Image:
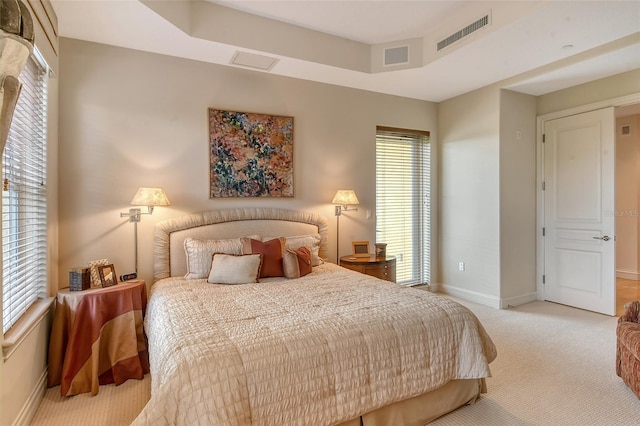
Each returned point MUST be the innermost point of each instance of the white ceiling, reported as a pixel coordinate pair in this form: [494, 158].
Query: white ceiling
[530, 46]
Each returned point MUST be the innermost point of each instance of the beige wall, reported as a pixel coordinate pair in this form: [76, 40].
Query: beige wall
[469, 225]
[517, 198]
[600, 90]
[487, 202]
[130, 119]
[627, 202]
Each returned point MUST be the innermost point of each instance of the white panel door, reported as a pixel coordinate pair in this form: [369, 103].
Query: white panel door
[579, 166]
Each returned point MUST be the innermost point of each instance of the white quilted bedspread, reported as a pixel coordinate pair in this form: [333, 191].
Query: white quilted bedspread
[317, 350]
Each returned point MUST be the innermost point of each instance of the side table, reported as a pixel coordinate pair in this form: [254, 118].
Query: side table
[97, 338]
[380, 267]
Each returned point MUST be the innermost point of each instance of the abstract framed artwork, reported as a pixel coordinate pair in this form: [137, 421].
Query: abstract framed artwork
[250, 155]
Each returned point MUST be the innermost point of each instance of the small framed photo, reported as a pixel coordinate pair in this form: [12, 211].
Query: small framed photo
[93, 267]
[360, 248]
[107, 275]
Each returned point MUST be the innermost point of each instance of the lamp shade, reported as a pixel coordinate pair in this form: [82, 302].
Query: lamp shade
[150, 197]
[345, 197]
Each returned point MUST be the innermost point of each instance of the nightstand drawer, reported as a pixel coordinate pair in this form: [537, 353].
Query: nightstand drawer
[385, 272]
[379, 267]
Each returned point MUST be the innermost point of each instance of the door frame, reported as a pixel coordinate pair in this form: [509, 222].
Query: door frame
[540, 121]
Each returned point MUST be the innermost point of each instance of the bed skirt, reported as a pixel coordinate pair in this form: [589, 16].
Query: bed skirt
[424, 408]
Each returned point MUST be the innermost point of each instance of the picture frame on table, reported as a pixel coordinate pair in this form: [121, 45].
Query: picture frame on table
[93, 267]
[107, 275]
[360, 248]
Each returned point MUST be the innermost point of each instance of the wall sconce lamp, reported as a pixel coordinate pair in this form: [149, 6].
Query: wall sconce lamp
[149, 197]
[343, 198]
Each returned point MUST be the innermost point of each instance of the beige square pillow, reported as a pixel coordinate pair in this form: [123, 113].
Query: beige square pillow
[297, 263]
[199, 254]
[235, 269]
[310, 240]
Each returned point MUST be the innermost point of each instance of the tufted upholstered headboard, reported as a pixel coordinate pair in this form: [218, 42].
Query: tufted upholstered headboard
[169, 257]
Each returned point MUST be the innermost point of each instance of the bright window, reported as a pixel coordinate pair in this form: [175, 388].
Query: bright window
[403, 201]
[24, 198]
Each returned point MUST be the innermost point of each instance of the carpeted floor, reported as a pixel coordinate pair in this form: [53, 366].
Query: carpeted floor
[555, 366]
[113, 406]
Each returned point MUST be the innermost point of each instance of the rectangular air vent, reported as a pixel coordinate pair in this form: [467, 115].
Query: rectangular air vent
[396, 55]
[459, 35]
[251, 60]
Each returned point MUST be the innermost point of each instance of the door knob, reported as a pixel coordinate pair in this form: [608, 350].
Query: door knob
[605, 238]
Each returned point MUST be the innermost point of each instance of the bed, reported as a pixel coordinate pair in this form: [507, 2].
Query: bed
[333, 347]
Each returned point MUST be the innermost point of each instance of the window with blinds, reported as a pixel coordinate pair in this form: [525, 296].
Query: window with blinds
[24, 198]
[403, 201]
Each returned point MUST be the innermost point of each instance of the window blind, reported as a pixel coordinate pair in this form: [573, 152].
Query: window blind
[24, 198]
[403, 201]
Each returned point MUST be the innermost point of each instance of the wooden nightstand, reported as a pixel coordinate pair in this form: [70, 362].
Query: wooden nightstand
[379, 267]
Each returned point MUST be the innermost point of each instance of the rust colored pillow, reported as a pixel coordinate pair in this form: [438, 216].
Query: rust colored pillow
[272, 253]
[297, 263]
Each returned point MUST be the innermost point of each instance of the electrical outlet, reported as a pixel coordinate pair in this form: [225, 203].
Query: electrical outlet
[461, 266]
[368, 214]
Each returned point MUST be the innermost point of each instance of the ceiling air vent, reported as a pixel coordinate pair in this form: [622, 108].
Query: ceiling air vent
[396, 55]
[480, 23]
[251, 60]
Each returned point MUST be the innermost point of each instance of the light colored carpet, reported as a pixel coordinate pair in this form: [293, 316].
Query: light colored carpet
[113, 406]
[555, 366]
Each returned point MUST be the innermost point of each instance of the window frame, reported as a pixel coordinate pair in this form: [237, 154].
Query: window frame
[24, 203]
[400, 143]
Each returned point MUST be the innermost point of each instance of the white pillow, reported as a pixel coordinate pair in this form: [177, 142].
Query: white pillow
[235, 269]
[199, 253]
[311, 240]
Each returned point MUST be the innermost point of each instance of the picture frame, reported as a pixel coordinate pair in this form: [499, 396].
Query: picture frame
[93, 267]
[360, 248]
[250, 154]
[107, 275]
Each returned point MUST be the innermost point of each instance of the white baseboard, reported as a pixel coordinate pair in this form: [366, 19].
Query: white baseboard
[483, 299]
[30, 407]
[628, 275]
[512, 302]
[471, 296]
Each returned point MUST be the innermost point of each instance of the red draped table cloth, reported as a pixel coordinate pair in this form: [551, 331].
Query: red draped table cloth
[98, 338]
